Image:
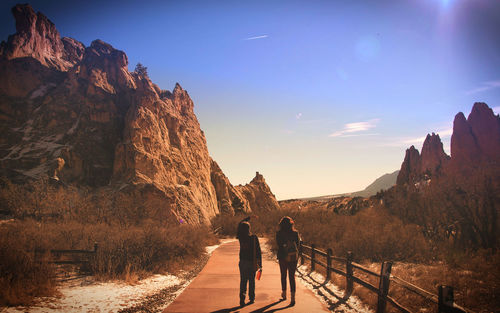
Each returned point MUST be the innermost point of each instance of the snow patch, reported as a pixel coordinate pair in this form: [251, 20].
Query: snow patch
[42, 90]
[310, 280]
[100, 297]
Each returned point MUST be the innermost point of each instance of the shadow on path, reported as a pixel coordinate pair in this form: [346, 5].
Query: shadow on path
[264, 309]
[317, 285]
[228, 310]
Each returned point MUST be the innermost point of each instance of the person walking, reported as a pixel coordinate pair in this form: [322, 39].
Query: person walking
[250, 260]
[288, 241]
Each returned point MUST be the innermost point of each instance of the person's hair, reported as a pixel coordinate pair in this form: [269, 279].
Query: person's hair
[286, 224]
[243, 230]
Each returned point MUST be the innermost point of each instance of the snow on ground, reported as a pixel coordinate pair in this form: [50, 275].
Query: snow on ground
[310, 280]
[86, 295]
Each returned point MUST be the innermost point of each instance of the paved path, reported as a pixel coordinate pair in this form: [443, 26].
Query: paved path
[216, 288]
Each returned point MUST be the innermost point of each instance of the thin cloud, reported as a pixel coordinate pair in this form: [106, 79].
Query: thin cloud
[414, 141]
[484, 87]
[496, 110]
[350, 128]
[298, 116]
[256, 37]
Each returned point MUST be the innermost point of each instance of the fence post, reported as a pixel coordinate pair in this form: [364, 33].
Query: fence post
[328, 264]
[383, 287]
[350, 274]
[313, 265]
[445, 299]
[301, 251]
[96, 245]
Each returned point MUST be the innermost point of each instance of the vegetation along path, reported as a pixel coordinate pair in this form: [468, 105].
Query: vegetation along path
[216, 288]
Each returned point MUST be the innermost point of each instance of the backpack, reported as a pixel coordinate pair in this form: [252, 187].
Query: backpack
[292, 252]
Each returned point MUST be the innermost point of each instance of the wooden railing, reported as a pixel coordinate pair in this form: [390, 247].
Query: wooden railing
[444, 299]
[81, 258]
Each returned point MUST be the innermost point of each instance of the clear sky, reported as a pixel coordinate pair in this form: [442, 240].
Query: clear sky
[321, 97]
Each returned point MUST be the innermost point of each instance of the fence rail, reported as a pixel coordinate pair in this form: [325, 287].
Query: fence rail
[444, 299]
[81, 258]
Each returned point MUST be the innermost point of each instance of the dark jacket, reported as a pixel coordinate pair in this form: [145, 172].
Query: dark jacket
[284, 237]
[250, 248]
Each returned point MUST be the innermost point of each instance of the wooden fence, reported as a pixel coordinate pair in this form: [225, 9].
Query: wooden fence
[444, 299]
[80, 258]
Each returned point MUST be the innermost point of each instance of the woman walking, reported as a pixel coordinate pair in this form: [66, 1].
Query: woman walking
[288, 251]
[250, 260]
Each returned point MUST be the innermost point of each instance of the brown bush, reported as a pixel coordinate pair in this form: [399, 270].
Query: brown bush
[371, 234]
[22, 278]
[134, 239]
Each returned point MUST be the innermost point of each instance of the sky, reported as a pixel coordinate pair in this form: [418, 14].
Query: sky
[321, 97]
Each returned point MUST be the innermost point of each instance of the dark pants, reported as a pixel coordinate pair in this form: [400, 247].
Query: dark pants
[289, 267]
[247, 275]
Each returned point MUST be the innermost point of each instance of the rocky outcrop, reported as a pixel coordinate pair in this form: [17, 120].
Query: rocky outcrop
[37, 37]
[229, 199]
[475, 143]
[418, 167]
[77, 115]
[258, 194]
[433, 157]
[410, 169]
[477, 139]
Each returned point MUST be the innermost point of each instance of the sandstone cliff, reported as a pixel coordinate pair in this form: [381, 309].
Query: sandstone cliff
[77, 114]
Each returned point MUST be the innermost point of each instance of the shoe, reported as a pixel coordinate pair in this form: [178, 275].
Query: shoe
[283, 295]
[242, 301]
[251, 301]
[292, 300]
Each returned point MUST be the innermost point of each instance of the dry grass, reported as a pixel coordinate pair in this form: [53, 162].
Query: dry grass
[127, 253]
[133, 243]
[371, 234]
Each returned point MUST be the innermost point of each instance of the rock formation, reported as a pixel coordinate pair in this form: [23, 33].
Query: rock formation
[258, 194]
[229, 199]
[477, 139]
[78, 115]
[475, 143]
[410, 168]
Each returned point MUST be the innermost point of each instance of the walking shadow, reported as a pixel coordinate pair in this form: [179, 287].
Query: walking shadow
[264, 309]
[341, 300]
[228, 310]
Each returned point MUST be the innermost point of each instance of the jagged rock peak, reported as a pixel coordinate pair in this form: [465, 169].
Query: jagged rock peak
[37, 37]
[178, 89]
[27, 21]
[182, 100]
[476, 138]
[258, 194]
[410, 168]
[433, 156]
[480, 109]
[259, 178]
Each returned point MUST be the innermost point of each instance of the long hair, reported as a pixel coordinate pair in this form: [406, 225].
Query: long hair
[243, 230]
[286, 224]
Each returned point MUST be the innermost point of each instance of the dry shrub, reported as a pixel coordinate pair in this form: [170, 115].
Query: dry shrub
[125, 252]
[22, 278]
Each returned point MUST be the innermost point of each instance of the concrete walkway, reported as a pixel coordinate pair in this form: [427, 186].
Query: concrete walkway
[216, 288]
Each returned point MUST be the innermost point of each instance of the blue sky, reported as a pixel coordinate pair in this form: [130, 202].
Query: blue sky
[321, 97]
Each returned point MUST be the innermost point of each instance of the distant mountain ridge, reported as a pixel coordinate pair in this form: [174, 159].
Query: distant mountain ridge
[384, 182]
